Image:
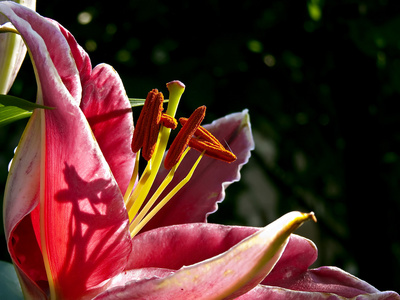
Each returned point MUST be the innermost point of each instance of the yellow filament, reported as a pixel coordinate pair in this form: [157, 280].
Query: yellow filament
[133, 179]
[157, 193]
[146, 180]
[136, 229]
[132, 201]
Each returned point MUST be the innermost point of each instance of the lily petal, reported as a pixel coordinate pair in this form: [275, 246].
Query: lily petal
[299, 255]
[326, 280]
[93, 225]
[201, 195]
[21, 196]
[108, 111]
[80, 57]
[183, 246]
[137, 275]
[291, 278]
[224, 276]
[276, 293]
[28, 23]
[332, 280]
[74, 176]
[107, 108]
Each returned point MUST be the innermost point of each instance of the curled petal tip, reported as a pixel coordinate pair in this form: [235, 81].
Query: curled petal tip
[308, 216]
[313, 217]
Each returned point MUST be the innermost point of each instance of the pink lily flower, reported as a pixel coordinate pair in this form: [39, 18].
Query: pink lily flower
[73, 224]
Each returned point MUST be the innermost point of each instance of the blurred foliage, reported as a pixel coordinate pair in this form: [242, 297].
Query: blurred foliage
[321, 81]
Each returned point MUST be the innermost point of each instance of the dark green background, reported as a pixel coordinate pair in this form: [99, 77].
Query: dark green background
[321, 80]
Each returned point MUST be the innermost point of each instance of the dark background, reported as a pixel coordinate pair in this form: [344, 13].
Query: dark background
[321, 82]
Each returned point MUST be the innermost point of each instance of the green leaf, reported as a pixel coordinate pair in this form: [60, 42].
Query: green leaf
[9, 114]
[140, 102]
[9, 285]
[7, 100]
[14, 108]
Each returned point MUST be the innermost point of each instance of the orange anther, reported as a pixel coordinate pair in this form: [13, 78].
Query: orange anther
[205, 141]
[168, 121]
[216, 151]
[202, 133]
[148, 124]
[184, 135]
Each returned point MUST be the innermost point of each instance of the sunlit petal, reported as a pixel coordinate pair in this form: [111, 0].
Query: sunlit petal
[108, 111]
[183, 246]
[75, 178]
[224, 276]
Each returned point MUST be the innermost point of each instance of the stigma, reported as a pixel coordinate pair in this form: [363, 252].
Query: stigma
[151, 137]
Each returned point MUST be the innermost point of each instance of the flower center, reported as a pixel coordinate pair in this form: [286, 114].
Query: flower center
[151, 135]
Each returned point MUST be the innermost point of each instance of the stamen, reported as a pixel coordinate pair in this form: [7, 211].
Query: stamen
[152, 133]
[148, 125]
[182, 139]
[205, 141]
[212, 150]
[139, 194]
[201, 132]
[150, 139]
